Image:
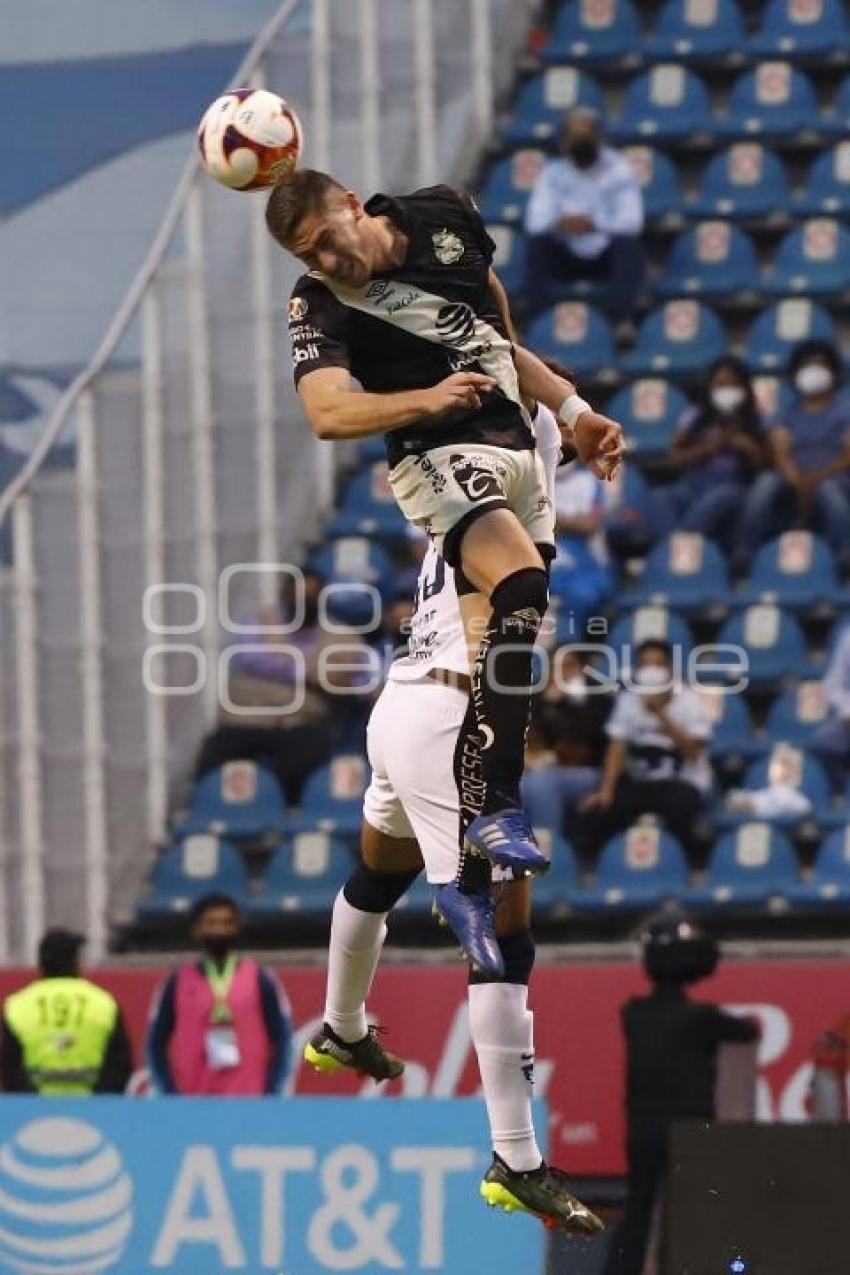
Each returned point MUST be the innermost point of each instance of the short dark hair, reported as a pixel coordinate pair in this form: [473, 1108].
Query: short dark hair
[300, 194]
[209, 901]
[655, 644]
[58, 953]
[808, 350]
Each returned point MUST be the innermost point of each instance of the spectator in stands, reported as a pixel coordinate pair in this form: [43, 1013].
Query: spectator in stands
[566, 740]
[584, 220]
[290, 709]
[718, 448]
[656, 761]
[810, 442]
[580, 512]
[63, 1036]
[221, 1025]
[830, 743]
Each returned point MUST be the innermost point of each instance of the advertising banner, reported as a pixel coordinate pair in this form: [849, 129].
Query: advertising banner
[207, 1185]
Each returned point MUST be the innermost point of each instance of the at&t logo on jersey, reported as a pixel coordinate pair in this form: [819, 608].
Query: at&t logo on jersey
[455, 322]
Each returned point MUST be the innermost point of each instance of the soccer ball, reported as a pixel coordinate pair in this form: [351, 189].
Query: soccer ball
[249, 139]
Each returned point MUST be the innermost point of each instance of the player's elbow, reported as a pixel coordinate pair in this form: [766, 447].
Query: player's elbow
[324, 421]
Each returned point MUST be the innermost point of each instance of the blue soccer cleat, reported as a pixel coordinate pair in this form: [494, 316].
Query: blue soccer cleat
[472, 920]
[507, 839]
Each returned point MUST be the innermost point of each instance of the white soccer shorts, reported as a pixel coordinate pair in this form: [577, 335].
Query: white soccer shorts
[411, 739]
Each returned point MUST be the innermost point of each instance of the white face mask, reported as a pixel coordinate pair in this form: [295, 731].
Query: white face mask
[813, 378]
[726, 398]
[653, 679]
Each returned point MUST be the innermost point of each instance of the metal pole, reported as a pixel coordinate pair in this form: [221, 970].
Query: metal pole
[370, 95]
[91, 669]
[153, 489]
[29, 743]
[482, 66]
[426, 111]
[321, 77]
[203, 443]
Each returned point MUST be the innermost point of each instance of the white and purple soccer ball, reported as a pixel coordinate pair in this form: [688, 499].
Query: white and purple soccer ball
[249, 139]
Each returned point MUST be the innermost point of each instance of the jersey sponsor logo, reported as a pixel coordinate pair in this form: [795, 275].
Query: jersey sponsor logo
[305, 353]
[303, 332]
[476, 482]
[465, 358]
[448, 248]
[456, 322]
[437, 480]
[378, 289]
[297, 309]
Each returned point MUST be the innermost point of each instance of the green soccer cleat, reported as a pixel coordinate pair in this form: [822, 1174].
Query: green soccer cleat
[327, 1053]
[542, 1192]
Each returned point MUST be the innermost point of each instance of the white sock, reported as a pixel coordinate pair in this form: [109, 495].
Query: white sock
[502, 1032]
[355, 947]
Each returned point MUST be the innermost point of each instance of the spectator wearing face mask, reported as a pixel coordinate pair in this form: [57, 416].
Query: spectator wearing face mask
[718, 448]
[810, 445]
[657, 758]
[584, 221]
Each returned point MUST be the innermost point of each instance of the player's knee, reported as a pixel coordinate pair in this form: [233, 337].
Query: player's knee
[523, 591]
[371, 891]
[518, 953]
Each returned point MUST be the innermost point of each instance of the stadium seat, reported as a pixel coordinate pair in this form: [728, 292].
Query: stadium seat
[828, 884]
[189, 869]
[595, 32]
[733, 736]
[686, 572]
[577, 334]
[744, 182]
[630, 513]
[554, 893]
[813, 259]
[649, 622]
[774, 99]
[773, 335]
[368, 507]
[355, 558]
[751, 866]
[666, 103]
[648, 411]
[839, 116]
[802, 28]
[693, 30]
[711, 259]
[508, 257]
[772, 643]
[827, 189]
[370, 450]
[333, 796]
[240, 800]
[303, 875]
[786, 766]
[543, 102]
[637, 869]
[797, 713]
[680, 338]
[796, 570]
[508, 186]
[659, 183]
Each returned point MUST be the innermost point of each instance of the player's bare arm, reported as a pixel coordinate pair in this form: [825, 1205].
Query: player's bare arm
[335, 410]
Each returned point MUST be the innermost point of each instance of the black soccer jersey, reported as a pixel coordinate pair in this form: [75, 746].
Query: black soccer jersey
[413, 325]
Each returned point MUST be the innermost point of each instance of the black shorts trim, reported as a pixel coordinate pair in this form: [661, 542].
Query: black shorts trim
[546, 550]
[453, 537]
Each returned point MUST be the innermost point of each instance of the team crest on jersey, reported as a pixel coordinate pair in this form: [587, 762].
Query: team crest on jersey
[447, 247]
[297, 309]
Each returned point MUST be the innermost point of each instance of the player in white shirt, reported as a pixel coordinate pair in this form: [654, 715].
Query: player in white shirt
[423, 751]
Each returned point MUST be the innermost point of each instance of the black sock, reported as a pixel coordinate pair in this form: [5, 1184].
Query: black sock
[501, 683]
[473, 874]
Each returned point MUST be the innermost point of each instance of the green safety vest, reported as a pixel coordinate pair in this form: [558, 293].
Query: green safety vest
[64, 1026]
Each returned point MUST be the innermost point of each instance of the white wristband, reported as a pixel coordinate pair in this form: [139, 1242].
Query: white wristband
[572, 408]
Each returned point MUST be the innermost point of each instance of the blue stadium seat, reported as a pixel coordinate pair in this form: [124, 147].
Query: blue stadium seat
[712, 259]
[189, 869]
[333, 796]
[743, 182]
[813, 259]
[780, 327]
[659, 183]
[543, 102]
[774, 99]
[752, 866]
[508, 257]
[686, 572]
[368, 507]
[554, 893]
[370, 450]
[828, 884]
[240, 800]
[636, 870]
[304, 875]
[788, 766]
[733, 736]
[577, 334]
[666, 103]
[630, 513]
[797, 570]
[802, 28]
[711, 30]
[508, 186]
[840, 115]
[355, 558]
[797, 713]
[827, 189]
[595, 32]
[648, 411]
[649, 622]
[773, 643]
[679, 338]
